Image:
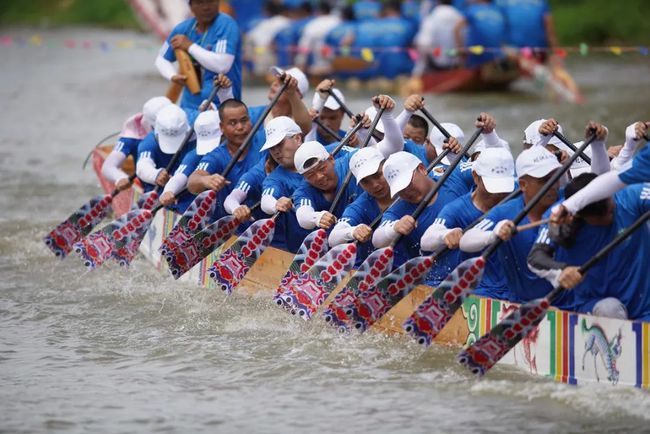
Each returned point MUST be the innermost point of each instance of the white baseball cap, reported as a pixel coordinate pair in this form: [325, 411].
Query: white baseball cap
[308, 151]
[437, 139]
[208, 132]
[277, 129]
[372, 113]
[365, 162]
[398, 170]
[580, 166]
[330, 102]
[303, 82]
[536, 162]
[496, 167]
[151, 108]
[171, 128]
[533, 137]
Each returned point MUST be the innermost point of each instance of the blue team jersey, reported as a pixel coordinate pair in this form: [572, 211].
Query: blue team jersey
[286, 41]
[366, 10]
[306, 195]
[397, 34]
[460, 213]
[323, 141]
[623, 273]
[248, 12]
[127, 146]
[216, 161]
[363, 210]
[223, 37]
[523, 284]
[485, 27]
[409, 246]
[639, 169]
[525, 22]
[148, 148]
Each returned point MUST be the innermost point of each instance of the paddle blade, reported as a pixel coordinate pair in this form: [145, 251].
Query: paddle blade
[61, 239]
[491, 347]
[374, 302]
[193, 250]
[374, 268]
[130, 238]
[312, 248]
[148, 200]
[233, 264]
[434, 313]
[195, 219]
[311, 289]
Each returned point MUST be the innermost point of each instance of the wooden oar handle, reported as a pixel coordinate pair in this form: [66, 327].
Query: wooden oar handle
[115, 192]
[532, 225]
[186, 68]
[571, 146]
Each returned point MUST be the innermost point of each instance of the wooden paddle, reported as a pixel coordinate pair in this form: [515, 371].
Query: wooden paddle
[80, 223]
[375, 301]
[239, 258]
[434, 313]
[186, 68]
[491, 347]
[312, 288]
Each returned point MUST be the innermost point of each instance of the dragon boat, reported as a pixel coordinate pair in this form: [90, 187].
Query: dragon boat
[568, 347]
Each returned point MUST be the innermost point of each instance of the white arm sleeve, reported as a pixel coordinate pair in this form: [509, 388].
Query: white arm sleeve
[146, 170]
[475, 240]
[403, 119]
[492, 140]
[433, 237]
[384, 235]
[224, 94]
[234, 200]
[307, 217]
[111, 169]
[176, 183]
[600, 188]
[599, 158]
[342, 233]
[268, 203]
[311, 135]
[629, 147]
[165, 67]
[219, 63]
[363, 133]
[318, 102]
[393, 140]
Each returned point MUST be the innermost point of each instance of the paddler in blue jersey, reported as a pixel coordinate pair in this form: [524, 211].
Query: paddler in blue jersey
[534, 167]
[329, 111]
[134, 130]
[483, 26]
[157, 149]
[396, 36]
[529, 23]
[213, 41]
[619, 285]
[493, 172]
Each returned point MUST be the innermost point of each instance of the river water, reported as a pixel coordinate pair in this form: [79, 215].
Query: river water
[133, 351]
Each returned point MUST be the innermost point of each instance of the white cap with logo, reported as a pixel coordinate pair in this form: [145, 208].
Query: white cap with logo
[365, 162]
[533, 137]
[171, 128]
[208, 132]
[308, 151]
[277, 129]
[151, 108]
[536, 162]
[303, 82]
[330, 102]
[398, 170]
[580, 166]
[437, 139]
[496, 167]
[372, 113]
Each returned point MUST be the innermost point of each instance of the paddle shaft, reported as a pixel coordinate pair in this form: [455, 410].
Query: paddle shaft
[437, 124]
[115, 192]
[348, 136]
[345, 107]
[249, 137]
[348, 177]
[604, 251]
[571, 146]
[545, 188]
[327, 129]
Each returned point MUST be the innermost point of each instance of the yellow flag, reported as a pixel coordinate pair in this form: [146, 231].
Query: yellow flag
[476, 49]
[616, 50]
[367, 55]
[36, 40]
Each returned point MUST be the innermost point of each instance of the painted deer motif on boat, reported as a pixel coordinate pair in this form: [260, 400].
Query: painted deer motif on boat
[596, 343]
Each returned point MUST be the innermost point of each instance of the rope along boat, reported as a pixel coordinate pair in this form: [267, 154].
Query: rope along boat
[568, 347]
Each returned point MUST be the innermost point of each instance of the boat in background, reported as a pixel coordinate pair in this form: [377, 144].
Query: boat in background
[569, 347]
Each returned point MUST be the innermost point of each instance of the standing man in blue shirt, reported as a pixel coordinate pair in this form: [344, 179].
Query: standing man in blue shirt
[486, 27]
[213, 41]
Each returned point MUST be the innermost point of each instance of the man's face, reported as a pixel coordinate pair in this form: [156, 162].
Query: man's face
[284, 152]
[236, 124]
[205, 11]
[418, 188]
[322, 175]
[530, 186]
[376, 185]
[417, 135]
[331, 118]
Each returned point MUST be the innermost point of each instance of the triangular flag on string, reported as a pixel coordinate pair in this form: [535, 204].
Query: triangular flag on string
[476, 49]
[367, 54]
[616, 50]
[584, 49]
